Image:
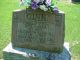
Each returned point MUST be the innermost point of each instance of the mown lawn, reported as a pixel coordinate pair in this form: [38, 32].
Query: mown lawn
[72, 24]
[6, 8]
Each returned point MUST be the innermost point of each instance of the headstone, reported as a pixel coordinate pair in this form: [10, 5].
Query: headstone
[37, 35]
[38, 30]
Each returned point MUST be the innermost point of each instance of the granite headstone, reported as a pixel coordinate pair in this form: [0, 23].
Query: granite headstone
[38, 30]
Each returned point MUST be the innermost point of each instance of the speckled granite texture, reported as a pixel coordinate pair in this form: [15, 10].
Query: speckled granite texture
[10, 53]
[38, 30]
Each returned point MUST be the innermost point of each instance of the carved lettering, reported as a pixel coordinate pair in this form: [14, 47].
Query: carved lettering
[37, 29]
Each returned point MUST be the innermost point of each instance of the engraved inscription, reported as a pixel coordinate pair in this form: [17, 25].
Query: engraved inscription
[37, 28]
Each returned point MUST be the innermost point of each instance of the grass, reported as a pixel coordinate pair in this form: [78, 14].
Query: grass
[72, 27]
[72, 24]
[6, 8]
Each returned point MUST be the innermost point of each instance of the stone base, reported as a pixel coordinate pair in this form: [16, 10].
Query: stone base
[10, 53]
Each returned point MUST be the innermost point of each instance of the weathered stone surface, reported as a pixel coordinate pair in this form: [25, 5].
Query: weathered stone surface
[10, 53]
[38, 30]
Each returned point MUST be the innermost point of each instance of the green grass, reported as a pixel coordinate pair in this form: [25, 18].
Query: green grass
[72, 24]
[6, 8]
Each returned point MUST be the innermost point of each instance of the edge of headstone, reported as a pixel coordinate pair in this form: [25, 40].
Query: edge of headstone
[65, 54]
[18, 10]
[9, 47]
